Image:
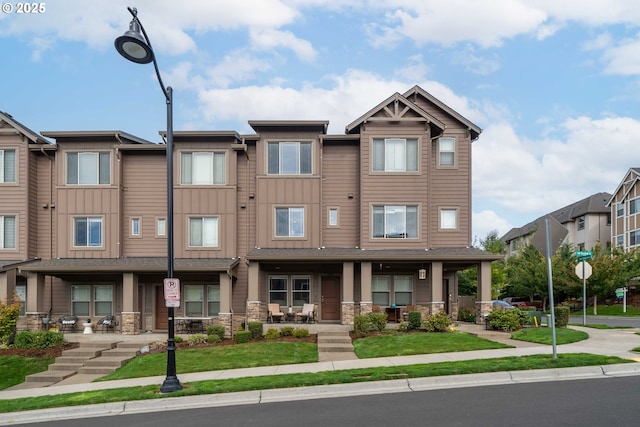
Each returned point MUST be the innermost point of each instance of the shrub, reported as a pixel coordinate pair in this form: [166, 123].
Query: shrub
[378, 321]
[256, 329]
[562, 316]
[301, 333]
[360, 324]
[8, 319]
[466, 315]
[364, 323]
[286, 331]
[243, 337]
[272, 334]
[438, 322]
[415, 320]
[508, 320]
[39, 339]
[213, 339]
[196, 339]
[178, 339]
[217, 330]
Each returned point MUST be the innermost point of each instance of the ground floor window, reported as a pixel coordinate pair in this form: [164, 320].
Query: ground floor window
[21, 292]
[392, 289]
[91, 300]
[197, 297]
[290, 290]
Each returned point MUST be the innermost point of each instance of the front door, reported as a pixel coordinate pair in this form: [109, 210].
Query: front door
[330, 298]
[162, 312]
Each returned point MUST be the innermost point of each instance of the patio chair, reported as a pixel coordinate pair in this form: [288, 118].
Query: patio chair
[107, 323]
[274, 313]
[67, 322]
[307, 313]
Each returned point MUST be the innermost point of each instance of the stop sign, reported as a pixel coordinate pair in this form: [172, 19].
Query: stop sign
[587, 270]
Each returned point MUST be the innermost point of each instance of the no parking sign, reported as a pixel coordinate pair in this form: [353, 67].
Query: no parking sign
[172, 292]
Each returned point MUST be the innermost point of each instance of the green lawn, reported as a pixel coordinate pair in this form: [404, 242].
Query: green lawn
[15, 368]
[403, 344]
[543, 335]
[249, 355]
[610, 310]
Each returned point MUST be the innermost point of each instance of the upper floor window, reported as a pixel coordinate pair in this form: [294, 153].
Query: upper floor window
[619, 210]
[446, 151]
[87, 231]
[395, 155]
[7, 166]
[581, 221]
[620, 240]
[634, 238]
[290, 222]
[161, 227]
[88, 168]
[7, 232]
[332, 217]
[136, 227]
[203, 168]
[448, 219]
[289, 158]
[395, 222]
[634, 206]
[203, 232]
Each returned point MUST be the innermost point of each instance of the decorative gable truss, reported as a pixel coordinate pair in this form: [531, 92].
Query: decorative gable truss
[397, 109]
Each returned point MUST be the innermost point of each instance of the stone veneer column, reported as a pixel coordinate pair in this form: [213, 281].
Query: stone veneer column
[226, 320]
[483, 302]
[130, 323]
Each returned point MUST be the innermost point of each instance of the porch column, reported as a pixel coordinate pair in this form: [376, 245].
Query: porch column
[130, 318]
[483, 302]
[437, 300]
[34, 307]
[253, 294]
[7, 285]
[366, 297]
[224, 315]
[347, 294]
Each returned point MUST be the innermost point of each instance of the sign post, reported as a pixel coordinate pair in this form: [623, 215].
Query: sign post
[622, 292]
[584, 271]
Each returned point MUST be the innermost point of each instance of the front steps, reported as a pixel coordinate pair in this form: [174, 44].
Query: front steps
[335, 345]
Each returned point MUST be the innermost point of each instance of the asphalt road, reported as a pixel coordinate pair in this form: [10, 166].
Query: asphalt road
[607, 320]
[599, 402]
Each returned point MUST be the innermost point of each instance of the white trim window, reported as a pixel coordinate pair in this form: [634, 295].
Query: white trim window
[103, 300]
[380, 290]
[89, 168]
[634, 206]
[634, 238]
[619, 241]
[7, 166]
[87, 232]
[447, 152]
[289, 158]
[289, 222]
[203, 232]
[21, 292]
[193, 300]
[8, 232]
[136, 227]
[448, 219]
[290, 290]
[203, 168]
[619, 210]
[332, 217]
[395, 221]
[161, 227]
[395, 155]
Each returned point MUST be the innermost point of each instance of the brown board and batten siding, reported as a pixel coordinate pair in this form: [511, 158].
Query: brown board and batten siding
[14, 201]
[341, 190]
[144, 182]
[44, 210]
[385, 188]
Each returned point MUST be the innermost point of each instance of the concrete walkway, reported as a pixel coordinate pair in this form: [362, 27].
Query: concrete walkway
[611, 342]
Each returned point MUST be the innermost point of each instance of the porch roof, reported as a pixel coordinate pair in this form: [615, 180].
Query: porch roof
[142, 264]
[453, 254]
[10, 264]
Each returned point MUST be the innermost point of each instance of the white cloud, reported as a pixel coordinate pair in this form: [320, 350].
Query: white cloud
[487, 221]
[269, 39]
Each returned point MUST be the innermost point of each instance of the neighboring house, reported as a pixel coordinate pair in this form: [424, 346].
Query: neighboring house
[588, 222]
[625, 209]
[375, 217]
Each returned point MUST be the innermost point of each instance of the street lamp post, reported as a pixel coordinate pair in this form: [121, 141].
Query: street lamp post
[136, 47]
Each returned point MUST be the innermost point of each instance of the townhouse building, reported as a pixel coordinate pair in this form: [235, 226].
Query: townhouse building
[588, 222]
[625, 211]
[379, 216]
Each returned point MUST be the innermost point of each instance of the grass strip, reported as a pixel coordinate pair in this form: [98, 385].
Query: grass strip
[15, 368]
[514, 363]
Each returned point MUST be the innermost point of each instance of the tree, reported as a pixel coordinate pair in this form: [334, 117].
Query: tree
[526, 273]
[468, 279]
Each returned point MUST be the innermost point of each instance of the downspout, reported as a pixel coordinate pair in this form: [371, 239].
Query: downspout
[120, 187]
[51, 206]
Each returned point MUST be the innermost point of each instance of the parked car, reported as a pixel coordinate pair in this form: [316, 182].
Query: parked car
[522, 302]
[498, 304]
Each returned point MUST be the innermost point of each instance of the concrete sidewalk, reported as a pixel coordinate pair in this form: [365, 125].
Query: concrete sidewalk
[611, 342]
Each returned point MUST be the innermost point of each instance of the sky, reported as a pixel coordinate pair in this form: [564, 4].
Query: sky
[555, 85]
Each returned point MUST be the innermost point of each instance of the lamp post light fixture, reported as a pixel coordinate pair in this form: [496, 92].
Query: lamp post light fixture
[135, 46]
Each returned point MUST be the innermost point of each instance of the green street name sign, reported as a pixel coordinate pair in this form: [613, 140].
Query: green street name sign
[583, 255]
